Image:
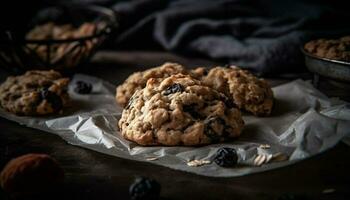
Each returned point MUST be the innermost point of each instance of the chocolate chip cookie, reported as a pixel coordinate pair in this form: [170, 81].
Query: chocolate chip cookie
[34, 93]
[243, 88]
[138, 80]
[179, 110]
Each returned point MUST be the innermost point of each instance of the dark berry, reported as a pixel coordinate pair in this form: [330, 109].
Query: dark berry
[83, 87]
[173, 89]
[228, 101]
[52, 98]
[190, 109]
[205, 72]
[209, 128]
[226, 157]
[145, 189]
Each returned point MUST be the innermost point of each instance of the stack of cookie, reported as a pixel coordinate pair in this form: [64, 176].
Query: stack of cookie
[170, 105]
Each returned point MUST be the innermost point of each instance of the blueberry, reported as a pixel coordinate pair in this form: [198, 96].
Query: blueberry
[83, 87]
[145, 189]
[52, 98]
[226, 157]
[173, 89]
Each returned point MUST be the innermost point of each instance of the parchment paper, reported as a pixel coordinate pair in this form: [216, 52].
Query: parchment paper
[304, 122]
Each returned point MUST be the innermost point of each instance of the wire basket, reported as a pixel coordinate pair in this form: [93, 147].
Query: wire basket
[19, 53]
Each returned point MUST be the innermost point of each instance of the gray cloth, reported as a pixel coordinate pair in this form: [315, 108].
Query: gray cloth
[264, 36]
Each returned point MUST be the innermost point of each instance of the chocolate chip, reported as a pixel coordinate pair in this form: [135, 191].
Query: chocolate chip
[52, 98]
[208, 128]
[173, 89]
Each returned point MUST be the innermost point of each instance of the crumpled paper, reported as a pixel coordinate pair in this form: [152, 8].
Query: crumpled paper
[304, 123]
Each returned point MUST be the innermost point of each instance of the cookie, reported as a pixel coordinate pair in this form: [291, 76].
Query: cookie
[245, 90]
[138, 80]
[336, 49]
[34, 93]
[179, 110]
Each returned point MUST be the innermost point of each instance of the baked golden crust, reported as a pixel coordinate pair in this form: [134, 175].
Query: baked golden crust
[246, 90]
[179, 110]
[138, 80]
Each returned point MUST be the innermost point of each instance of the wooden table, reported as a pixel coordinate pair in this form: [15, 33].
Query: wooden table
[91, 175]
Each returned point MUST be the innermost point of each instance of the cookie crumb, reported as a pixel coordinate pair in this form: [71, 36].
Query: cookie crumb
[328, 191]
[279, 157]
[151, 158]
[259, 159]
[198, 163]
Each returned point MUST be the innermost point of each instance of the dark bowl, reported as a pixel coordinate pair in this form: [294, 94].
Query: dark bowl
[18, 53]
[334, 69]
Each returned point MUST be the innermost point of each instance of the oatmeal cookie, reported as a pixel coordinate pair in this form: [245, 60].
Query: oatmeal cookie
[336, 49]
[179, 110]
[34, 93]
[245, 90]
[138, 80]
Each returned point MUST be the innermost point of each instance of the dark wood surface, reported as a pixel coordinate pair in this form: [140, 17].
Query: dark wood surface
[92, 175]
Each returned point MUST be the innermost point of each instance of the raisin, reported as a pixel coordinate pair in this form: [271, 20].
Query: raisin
[145, 189]
[226, 157]
[173, 89]
[206, 72]
[291, 197]
[191, 110]
[228, 101]
[83, 87]
[52, 98]
[208, 128]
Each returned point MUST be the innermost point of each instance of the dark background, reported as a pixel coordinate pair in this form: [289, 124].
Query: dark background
[263, 36]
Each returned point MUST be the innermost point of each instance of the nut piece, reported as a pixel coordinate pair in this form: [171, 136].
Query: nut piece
[31, 175]
[198, 163]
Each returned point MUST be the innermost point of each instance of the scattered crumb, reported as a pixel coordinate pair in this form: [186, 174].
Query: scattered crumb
[260, 159]
[328, 191]
[264, 146]
[197, 163]
[278, 157]
[151, 158]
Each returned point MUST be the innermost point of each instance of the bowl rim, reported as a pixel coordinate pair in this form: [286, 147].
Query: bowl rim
[323, 58]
